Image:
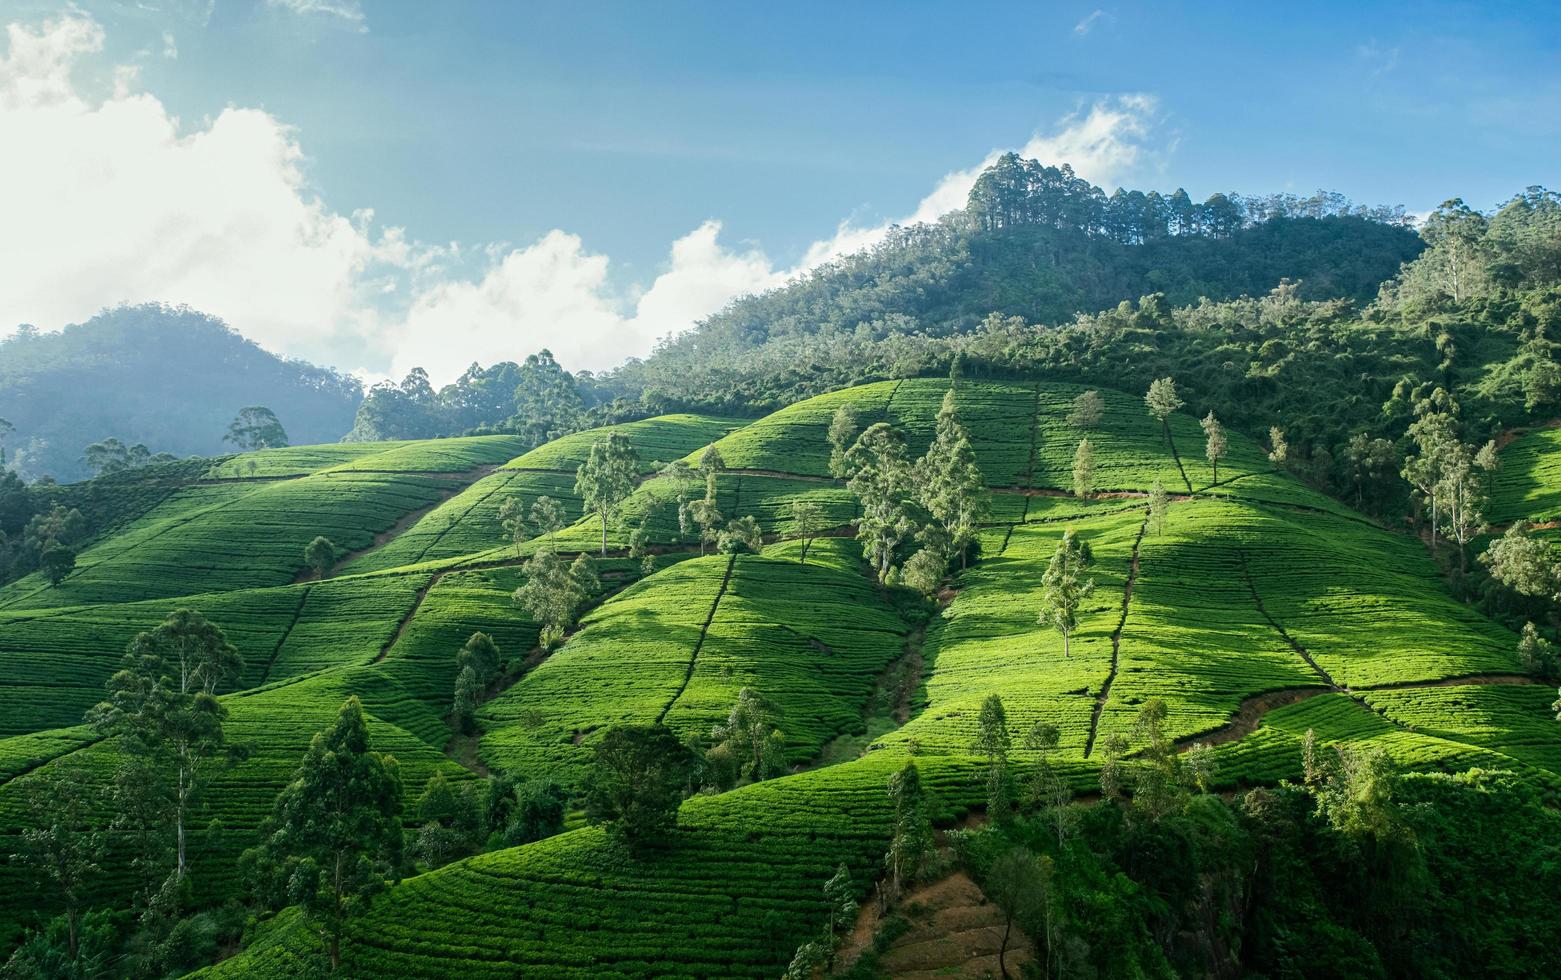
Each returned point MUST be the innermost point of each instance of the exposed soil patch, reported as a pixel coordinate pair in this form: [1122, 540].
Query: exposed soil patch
[955, 931]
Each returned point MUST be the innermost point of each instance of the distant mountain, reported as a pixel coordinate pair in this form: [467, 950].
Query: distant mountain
[166, 377]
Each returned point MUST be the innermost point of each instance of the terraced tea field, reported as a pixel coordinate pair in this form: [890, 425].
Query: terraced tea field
[1260, 610]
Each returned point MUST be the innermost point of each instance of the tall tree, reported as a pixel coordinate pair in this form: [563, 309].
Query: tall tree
[993, 741]
[334, 835]
[949, 484]
[547, 400]
[1018, 883]
[911, 841]
[1064, 587]
[163, 704]
[1527, 565]
[1435, 437]
[6, 429]
[842, 434]
[607, 477]
[636, 783]
[512, 518]
[1163, 401]
[1216, 445]
[882, 482]
[256, 427]
[1083, 469]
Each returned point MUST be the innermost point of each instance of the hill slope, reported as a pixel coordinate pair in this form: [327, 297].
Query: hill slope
[171, 379]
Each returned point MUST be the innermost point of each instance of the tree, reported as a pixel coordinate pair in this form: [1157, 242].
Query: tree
[681, 477]
[924, 572]
[749, 744]
[547, 400]
[463, 705]
[162, 703]
[512, 518]
[1064, 588]
[609, 474]
[1369, 461]
[56, 563]
[1215, 445]
[742, 536]
[1280, 450]
[1163, 400]
[950, 487]
[449, 818]
[807, 518]
[636, 783]
[6, 429]
[334, 835]
[551, 595]
[911, 841]
[537, 812]
[62, 845]
[993, 741]
[1047, 787]
[320, 555]
[840, 893]
[256, 427]
[1159, 506]
[711, 465]
[1088, 409]
[842, 434]
[1434, 435]
[1083, 469]
[1463, 487]
[1526, 565]
[1018, 883]
[1535, 653]
[547, 517]
[481, 654]
[707, 516]
[881, 481]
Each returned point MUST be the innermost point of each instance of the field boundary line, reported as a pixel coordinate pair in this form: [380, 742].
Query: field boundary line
[1246, 576]
[1171, 441]
[704, 631]
[282, 640]
[1116, 641]
[406, 620]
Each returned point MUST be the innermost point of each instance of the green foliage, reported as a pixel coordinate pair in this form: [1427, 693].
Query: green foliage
[256, 427]
[607, 477]
[335, 834]
[1064, 587]
[636, 783]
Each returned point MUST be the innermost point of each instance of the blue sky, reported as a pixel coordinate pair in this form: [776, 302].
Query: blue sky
[506, 148]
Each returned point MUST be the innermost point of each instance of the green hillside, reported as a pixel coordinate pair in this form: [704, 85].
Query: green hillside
[1257, 610]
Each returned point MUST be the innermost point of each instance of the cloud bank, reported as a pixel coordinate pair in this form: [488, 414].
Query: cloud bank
[111, 199]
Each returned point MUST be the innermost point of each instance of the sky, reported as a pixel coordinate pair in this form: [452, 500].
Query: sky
[378, 185]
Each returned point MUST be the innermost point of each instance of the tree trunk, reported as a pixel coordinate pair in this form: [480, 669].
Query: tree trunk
[1065, 654]
[604, 534]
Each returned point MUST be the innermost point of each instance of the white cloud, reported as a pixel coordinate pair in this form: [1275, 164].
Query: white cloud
[350, 11]
[170, 46]
[120, 202]
[1096, 18]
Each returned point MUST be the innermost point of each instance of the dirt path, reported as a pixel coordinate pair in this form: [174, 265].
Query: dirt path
[1116, 643]
[1249, 716]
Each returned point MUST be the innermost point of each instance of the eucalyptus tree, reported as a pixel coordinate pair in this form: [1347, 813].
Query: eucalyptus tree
[256, 427]
[334, 835]
[1087, 411]
[1163, 401]
[1083, 469]
[949, 484]
[1064, 587]
[1159, 506]
[162, 704]
[842, 433]
[807, 518]
[1216, 445]
[881, 478]
[608, 476]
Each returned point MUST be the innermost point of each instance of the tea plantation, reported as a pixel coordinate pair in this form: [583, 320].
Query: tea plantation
[1255, 609]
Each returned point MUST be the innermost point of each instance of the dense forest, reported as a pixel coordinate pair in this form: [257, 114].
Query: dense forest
[166, 378]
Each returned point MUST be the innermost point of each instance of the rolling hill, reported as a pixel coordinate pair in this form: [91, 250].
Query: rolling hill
[1260, 611]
